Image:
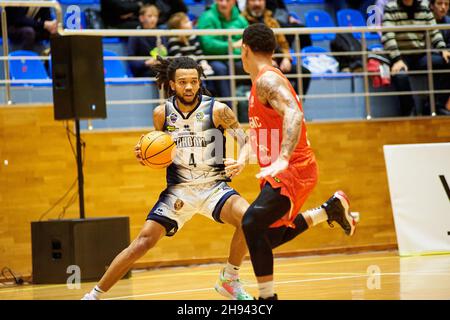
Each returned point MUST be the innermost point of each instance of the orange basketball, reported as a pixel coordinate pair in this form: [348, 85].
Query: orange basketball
[157, 149]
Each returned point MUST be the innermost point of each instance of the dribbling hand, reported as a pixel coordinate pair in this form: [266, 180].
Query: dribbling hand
[274, 169]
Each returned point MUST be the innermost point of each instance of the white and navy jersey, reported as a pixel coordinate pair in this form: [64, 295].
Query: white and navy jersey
[200, 145]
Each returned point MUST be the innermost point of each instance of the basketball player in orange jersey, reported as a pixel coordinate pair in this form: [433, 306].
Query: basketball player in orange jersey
[288, 165]
[196, 179]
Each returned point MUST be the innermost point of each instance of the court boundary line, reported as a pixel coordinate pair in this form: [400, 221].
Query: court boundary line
[254, 285]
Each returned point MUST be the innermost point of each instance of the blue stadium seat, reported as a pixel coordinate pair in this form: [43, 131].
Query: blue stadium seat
[319, 19]
[25, 69]
[313, 49]
[193, 2]
[114, 40]
[192, 17]
[115, 69]
[354, 18]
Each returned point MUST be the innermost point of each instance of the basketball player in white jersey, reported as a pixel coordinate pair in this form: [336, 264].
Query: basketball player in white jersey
[196, 179]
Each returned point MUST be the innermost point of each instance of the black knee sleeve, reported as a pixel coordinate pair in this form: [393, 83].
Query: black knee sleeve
[264, 211]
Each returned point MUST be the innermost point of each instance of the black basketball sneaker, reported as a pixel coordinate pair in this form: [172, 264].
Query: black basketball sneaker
[337, 208]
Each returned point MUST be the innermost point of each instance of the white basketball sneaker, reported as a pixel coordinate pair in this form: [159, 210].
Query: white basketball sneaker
[231, 288]
[89, 296]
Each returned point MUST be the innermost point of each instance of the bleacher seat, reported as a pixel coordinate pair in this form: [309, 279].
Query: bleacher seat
[27, 69]
[354, 18]
[114, 40]
[116, 71]
[313, 49]
[319, 19]
[193, 3]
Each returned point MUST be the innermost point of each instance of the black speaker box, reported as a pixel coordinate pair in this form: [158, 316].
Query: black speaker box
[90, 244]
[78, 77]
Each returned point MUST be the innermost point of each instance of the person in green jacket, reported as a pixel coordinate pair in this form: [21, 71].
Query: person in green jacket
[223, 14]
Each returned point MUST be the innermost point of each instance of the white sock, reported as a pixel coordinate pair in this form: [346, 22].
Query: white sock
[231, 271]
[317, 216]
[97, 292]
[266, 289]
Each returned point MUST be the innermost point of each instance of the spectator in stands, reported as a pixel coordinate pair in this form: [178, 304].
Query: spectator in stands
[27, 27]
[223, 14]
[145, 46]
[286, 20]
[184, 45]
[121, 14]
[256, 12]
[167, 8]
[414, 12]
[440, 11]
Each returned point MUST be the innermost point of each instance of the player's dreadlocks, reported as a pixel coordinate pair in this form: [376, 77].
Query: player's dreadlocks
[165, 71]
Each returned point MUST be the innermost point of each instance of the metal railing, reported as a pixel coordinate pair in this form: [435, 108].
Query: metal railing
[297, 32]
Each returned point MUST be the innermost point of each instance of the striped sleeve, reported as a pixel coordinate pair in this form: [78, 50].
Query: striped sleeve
[196, 44]
[173, 47]
[437, 40]
[388, 38]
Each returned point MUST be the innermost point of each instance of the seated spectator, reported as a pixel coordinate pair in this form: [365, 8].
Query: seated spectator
[440, 11]
[183, 45]
[145, 46]
[223, 14]
[411, 12]
[28, 26]
[281, 13]
[121, 14]
[256, 12]
[167, 8]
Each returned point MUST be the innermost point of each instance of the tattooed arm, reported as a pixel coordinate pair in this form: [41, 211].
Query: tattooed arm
[272, 89]
[225, 118]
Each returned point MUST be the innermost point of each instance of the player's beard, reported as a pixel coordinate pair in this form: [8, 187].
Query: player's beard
[189, 103]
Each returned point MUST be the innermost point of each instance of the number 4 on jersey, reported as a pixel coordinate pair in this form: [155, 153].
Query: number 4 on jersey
[192, 161]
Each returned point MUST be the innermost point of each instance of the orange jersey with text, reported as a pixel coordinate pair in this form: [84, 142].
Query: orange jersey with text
[266, 135]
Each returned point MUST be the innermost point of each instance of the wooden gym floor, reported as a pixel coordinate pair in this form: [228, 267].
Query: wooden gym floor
[346, 276]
